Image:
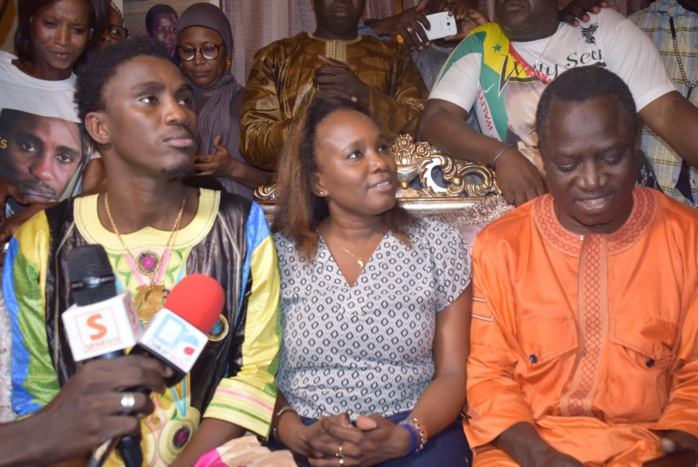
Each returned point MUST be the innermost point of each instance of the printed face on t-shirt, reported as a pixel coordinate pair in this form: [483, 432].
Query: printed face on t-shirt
[39, 154]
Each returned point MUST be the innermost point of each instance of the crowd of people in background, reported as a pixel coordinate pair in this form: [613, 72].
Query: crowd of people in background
[354, 332]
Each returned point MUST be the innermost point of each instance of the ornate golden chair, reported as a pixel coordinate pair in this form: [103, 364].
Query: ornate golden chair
[433, 183]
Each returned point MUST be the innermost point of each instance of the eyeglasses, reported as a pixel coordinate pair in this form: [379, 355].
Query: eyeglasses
[208, 51]
[116, 32]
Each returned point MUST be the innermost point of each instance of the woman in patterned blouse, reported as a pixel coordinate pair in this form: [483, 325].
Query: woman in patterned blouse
[375, 304]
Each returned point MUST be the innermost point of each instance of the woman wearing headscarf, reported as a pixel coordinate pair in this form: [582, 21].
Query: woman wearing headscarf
[116, 30]
[205, 49]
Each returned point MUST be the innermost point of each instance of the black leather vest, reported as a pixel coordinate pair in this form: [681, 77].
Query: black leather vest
[220, 255]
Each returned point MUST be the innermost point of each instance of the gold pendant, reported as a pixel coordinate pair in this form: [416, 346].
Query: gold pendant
[149, 299]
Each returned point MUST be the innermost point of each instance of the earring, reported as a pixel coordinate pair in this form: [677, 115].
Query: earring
[228, 63]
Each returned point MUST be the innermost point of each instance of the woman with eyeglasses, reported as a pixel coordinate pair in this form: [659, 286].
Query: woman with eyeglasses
[205, 49]
[115, 30]
[36, 85]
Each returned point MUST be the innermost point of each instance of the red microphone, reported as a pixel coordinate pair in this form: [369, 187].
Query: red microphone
[176, 336]
[178, 333]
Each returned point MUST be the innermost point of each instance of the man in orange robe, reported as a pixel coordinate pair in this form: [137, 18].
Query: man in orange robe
[584, 342]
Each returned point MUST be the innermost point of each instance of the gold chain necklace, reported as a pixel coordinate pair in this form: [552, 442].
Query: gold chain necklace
[358, 259]
[149, 298]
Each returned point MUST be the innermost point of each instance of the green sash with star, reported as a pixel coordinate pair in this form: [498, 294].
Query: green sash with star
[498, 67]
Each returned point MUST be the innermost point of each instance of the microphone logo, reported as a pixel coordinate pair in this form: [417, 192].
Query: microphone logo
[98, 331]
[107, 326]
[174, 339]
[94, 322]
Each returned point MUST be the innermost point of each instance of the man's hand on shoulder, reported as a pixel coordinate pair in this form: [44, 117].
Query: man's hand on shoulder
[9, 190]
[12, 223]
[518, 178]
[578, 10]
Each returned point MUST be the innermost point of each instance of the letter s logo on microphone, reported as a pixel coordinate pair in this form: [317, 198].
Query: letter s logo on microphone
[95, 323]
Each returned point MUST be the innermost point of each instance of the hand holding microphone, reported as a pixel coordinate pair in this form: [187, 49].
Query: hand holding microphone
[103, 323]
[87, 411]
[100, 325]
[90, 407]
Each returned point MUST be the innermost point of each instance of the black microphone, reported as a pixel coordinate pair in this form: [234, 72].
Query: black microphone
[100, 323]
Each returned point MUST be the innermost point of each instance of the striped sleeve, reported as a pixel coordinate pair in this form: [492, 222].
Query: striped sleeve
[247, 399]
[34, 380]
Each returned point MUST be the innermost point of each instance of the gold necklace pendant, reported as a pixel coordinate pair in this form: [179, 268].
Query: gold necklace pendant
[149, 297]
[358, 259]
[149, 300]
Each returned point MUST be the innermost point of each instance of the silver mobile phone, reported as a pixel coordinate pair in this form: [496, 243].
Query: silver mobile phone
[441, 25]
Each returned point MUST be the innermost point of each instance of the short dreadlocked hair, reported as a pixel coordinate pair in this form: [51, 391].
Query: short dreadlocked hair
[101, 67]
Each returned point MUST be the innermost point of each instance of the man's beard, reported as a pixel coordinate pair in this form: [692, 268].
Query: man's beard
[180, 172]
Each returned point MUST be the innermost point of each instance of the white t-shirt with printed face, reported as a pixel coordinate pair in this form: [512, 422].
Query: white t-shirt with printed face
[42, 147]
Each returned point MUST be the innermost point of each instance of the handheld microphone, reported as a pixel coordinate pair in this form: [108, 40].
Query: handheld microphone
[100, 323]
[176, 335]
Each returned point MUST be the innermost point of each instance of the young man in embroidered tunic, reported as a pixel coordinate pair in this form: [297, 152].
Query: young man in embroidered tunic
[333, 61]
[585, 308]
[139, 111]
[501, 70]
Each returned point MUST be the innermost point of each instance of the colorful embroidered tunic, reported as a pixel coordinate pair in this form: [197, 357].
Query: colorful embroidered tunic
[590, 338]
[228, 239]
[281, 86]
